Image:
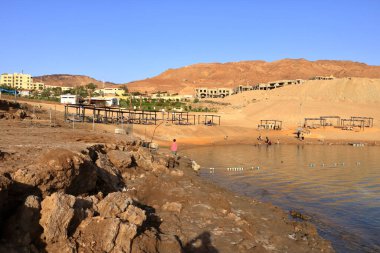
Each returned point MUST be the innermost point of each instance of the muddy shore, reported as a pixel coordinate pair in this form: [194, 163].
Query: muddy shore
[65, 190]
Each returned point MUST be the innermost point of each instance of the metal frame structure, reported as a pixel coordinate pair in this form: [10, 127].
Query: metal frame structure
[277, 124]
[210, 121]
[368, 121]
[322, 122]
[337, 118]
[353, 123]
[116, 115]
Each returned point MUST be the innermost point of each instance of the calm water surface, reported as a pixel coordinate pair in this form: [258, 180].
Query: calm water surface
[338, 186]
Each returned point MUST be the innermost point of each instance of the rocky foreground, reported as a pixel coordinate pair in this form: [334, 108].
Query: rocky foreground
[60, 191]
[121, 198]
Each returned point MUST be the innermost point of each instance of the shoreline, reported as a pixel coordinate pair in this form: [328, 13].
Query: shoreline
[182, 210]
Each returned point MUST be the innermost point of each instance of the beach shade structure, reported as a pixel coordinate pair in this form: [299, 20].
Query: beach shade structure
[331, 120]
[348, 124]
[368, 121]
[112, 115]
[181, 118]
[314, 122]
[209, 119]
[270, 124]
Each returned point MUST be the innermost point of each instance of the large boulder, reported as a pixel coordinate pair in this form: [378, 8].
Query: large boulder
[114, 204]
[59, 170]
[99, 234]
[121, 159]
[134, 215]
[57, 211]
[143, 158]
[109, 177]
[21, 114]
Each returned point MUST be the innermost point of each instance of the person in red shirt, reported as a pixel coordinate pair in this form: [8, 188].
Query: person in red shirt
[174, 147]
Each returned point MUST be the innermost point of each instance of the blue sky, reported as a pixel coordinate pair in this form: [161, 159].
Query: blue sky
[122, 41]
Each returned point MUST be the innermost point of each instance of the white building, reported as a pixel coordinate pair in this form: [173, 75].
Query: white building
[69, 99]
[24, 93]
[105, 101]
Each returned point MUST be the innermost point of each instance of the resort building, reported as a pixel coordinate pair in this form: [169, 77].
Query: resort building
[63, 88]
[166, 96]
[110, 91]
[242, 88]
[69, 99]
[277, 84]
[322, 78]
[213, 92]
[20, 81]
[104, 101]
[37, 86]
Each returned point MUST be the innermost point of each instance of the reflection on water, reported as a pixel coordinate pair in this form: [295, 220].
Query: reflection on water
[339, 186]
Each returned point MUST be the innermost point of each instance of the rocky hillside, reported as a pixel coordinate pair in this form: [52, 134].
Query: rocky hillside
[250, 72]
[231, 74]
[69, 80]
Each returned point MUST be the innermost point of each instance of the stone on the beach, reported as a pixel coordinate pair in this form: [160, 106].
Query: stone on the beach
[168, 243]
[63, 246]
[59, 170]
[114, 204]
[176, 173]
[172, 207]
[143, 158]
[195, 166]
[121, 159]
[159, 169]
[56, 214]
[109, 176]
[133, 215]
[21, 114]
[99, 234]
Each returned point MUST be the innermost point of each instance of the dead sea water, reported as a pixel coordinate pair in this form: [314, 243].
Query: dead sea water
[337, 186]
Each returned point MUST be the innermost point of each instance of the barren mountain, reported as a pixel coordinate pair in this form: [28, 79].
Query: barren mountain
[232, 74]
[69, 80]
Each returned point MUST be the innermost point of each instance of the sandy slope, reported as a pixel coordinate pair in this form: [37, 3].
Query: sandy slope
[343, 97]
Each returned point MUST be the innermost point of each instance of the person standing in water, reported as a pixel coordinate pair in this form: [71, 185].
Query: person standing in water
[173, 147]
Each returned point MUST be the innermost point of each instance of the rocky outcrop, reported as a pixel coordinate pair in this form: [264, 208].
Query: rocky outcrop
[59, 170]
[68, 221]
[56, 214]
[120, 159]
[100, 234]
[114, 204]
[81, 202]
[109, 177]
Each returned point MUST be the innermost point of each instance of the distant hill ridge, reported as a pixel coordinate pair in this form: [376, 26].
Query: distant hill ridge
[232, 74]
[67, 80]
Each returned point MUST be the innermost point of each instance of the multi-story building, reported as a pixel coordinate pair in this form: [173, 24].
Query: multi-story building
[111, 91]
[213, 92]
[38, 86]
[20, 81]
[6, 79]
